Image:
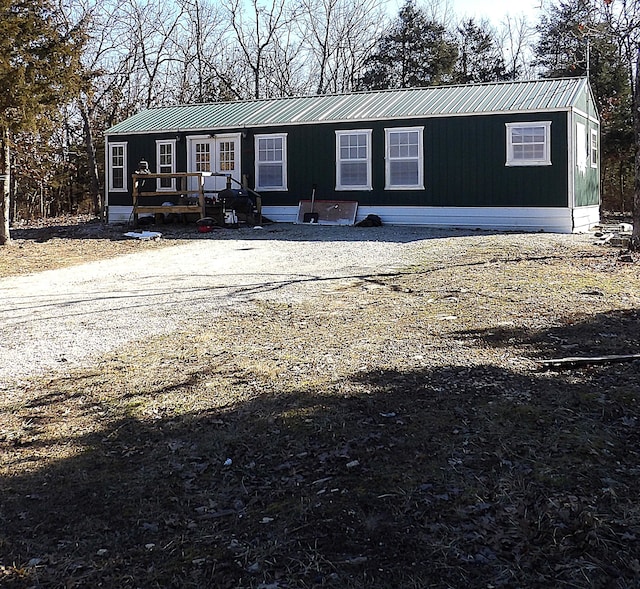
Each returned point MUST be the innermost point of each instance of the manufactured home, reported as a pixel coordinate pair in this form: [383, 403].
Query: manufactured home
[511, 155]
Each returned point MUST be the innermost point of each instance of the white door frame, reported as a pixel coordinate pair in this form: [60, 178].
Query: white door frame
[214, 140]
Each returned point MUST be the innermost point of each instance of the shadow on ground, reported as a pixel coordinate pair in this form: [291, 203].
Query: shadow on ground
[96, 229]
[582, 334]
[460, 476]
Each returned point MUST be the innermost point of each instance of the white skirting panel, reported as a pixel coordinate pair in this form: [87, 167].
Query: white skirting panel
[554, 220]
[119, 214]
[584, 218]
[281, 214]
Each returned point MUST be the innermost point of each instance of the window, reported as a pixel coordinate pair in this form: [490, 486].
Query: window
[203, 157]
[271, 162]
[118, 167]
[166, 158]
[404, 158]
[529, 144]
[227, 153]
[594, 148]
[353, 160]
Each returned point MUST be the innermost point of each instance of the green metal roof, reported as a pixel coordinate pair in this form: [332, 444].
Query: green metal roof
[470, 99]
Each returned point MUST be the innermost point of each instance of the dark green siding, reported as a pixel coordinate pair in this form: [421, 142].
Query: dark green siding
[144, 147]
[464, 161]
[464, 165]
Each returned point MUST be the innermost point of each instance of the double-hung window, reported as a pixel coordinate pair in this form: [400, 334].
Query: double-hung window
[529, 144]
[271, 162]
[404, 158]
[166, 160]
[353, 160]
[118, 167]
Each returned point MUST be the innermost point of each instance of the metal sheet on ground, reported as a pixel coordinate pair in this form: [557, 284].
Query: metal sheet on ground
[330, 212]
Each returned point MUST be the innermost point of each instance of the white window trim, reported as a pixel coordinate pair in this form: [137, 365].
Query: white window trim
[171, 142]
[420, 158]
[368, 185]
[593, 148]
[125, 184]
[284, 162]
[545, 160]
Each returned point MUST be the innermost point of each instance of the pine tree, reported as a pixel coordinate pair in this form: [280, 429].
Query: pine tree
[39, 69]
[564, 35]
[415, 52]
[480, 58]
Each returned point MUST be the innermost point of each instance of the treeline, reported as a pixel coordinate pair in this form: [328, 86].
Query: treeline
[107, 59]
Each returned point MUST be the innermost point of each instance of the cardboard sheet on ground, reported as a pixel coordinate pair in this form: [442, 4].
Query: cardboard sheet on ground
[330, 212]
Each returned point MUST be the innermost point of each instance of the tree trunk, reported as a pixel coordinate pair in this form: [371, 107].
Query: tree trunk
[635, 236]
[94, 183]
[5, 183]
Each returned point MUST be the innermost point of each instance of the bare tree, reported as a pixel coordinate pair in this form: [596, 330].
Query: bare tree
[315, 22]
[338, 36]
[200, 48]
[193, 57]
[139, 53]
[440, 11]
[107, 67]
[623, 19]
[285, 66]
[516, 36]
[152, 25]
[255, 31]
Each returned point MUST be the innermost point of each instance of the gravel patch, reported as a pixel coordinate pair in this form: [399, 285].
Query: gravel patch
[73, 315]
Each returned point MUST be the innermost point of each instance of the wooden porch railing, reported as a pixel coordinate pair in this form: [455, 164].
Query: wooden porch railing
[180, 190]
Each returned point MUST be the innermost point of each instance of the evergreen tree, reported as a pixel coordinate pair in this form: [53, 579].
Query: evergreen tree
[415, 52]
[480, 58]
[560, 51]
[565, 33]
[39, 65]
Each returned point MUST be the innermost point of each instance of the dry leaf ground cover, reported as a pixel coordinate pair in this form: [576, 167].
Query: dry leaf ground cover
[394, 430]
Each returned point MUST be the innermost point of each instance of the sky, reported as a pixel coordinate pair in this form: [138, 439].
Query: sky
[496, 10]
[492, 10]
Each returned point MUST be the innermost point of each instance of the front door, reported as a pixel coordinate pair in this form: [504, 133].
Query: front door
[215, 155]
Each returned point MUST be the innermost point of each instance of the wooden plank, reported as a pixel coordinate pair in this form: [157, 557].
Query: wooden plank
[168, 210]
[169, 193]
[585, 361]
[168, 175]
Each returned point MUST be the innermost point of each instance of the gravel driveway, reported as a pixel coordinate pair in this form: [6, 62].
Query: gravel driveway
[73, 315]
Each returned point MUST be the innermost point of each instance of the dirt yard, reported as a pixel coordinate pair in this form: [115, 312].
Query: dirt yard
[386, 429]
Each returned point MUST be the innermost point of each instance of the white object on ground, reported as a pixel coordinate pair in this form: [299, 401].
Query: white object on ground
[144, 235]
